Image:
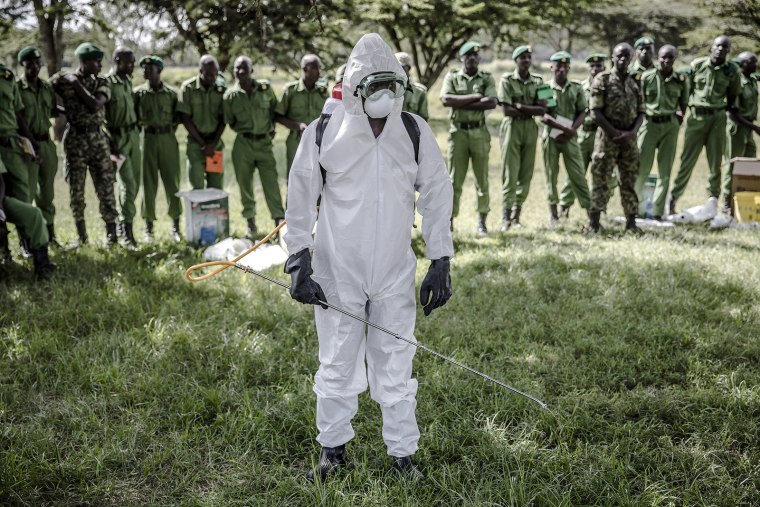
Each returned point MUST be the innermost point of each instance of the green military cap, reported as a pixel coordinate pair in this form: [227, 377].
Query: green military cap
[560, 56]
[151, 60]
[28, 53]
[469, 47]
[596, 57]
[519, 50]
[88, 51]
[643, 41]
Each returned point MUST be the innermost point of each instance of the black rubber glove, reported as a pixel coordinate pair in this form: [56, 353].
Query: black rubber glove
[302, 288]
[435, 290]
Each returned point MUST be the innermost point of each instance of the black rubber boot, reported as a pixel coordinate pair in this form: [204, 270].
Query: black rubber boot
[516, 216]
[148, 230]
[52, 243]
[594, 227]
[251, 229]
[564, 212]
[26, 250]
[672, 205]
[553, 215]
[111, 238]
[630, 224]
[481, 230]
[330, 459]
[727, 204]
[129, 237]
[406, 468]
[81, 236]
[506, 220]
[176, 237]
[43, 268]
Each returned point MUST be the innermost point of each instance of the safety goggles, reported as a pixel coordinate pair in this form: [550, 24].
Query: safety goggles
[379, 82]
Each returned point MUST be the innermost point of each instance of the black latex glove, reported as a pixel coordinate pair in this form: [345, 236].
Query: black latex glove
[302, 288]
[435, 290]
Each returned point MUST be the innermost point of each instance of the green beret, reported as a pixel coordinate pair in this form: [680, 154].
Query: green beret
[520, 50]
[596, 57]
[151, 60]
[560, 56]
[28, 53]
[643, 41]
[88, 51]
[469, 47]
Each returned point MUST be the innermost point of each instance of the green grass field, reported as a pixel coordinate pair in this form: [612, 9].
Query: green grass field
[123, 384]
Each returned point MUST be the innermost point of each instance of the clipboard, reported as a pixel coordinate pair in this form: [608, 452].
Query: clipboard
[215, 163]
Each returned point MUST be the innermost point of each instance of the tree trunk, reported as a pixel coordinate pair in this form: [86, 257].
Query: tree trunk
[50, 21]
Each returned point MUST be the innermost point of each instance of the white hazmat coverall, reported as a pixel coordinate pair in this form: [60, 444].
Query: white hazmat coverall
[362, 255]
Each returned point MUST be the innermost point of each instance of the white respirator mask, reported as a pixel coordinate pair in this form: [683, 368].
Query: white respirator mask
[379, 105]
[379, 91]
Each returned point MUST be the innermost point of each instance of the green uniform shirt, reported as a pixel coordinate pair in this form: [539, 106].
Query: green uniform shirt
[77, 112]
[571, 99]
[156, 108]
[202, 105]
[638, 69]
[457, 82]
[39, 106]
[120, 110]
[619, 98]
[300, 104]
[746, 100]
[710, 84]
[250, 114]
[513, 90]
[664, 95]
[10, 102]
[415, 100]
[586, 85]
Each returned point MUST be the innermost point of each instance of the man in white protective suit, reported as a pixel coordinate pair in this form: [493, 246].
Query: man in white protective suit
[366, 173]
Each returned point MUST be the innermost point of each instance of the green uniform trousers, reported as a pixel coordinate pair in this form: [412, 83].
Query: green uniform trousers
[576, 171]
[739, 143]
[196, 168]
[518, 139]
[661, 137]
[466, 144]
[708, 130]
[128, 177]
[20, 171]
[291, 146]
[160, 157]
[247, 156]
[586, 144]
[44, 176]
[28, 220]
[607, 155]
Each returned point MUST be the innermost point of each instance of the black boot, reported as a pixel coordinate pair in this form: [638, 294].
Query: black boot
[129, 237]
[564, 212]
[43, 268]
[406, 468]
[330, 459]
[176, 237]
[276, 237]
[26, 250]
[672, 205]
[594, 226]
[6, 259]
[482, 230]
[516, 216]
[111, 238]
[630, 224]
[727, 204]
[52, 243]
[553, 216]
[506, 220]
[251, 229]
[148, 231]
[81, 235]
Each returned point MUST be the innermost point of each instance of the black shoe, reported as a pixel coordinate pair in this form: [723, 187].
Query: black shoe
[553, 216]
[148, 231]
[672, 205]
[43, 268]
[129, 237]
[726, 204]
[506, 220]
[252, 230]
[81, 236]
[176, 237]
[406, 468]
[330, 459]
[516, 216]
[630, 224]
[52, 243]
[111, 238]
[481, 230]
[593, 227]
[564, 212]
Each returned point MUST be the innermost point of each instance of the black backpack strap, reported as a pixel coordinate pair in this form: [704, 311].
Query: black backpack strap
[414, 132]
[321, 125]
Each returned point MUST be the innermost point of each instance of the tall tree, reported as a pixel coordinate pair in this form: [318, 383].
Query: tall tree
[741, 17]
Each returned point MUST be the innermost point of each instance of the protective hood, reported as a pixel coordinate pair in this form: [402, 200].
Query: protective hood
[370, 55]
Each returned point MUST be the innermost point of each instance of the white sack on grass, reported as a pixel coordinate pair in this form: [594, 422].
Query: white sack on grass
[226, 249]
[697, 214]
[721, 221]
[645, 223]
[265, 256]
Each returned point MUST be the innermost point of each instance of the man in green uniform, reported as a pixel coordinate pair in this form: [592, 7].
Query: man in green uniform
[469, 92]
[121, 119]
[415, 96]
[518, 133]
[587, 133]
[85, 94]
[249, 109]
[201, 111]
[560, 137]
[740, 125]
[29, 219]
[156, 106]
[666, 95]
[644, 56]
[38, 98]
[714, 84]
[617, 105]
[301, 103]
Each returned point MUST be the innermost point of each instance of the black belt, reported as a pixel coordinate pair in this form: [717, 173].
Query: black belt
[159, 130]
[665, 118]
[522, 117]
[706, 110]
[590, 128]
[468, 125]
[254, 137]
[85, 129]
[122, 130]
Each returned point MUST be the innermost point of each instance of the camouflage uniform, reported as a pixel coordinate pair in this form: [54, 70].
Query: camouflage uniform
[620, 100]
[86, 147]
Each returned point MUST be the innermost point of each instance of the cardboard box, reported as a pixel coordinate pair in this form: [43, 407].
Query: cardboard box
[747, 206]
[207, 216]
[746, 176]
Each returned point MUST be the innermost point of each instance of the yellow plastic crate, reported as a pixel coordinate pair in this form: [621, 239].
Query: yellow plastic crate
[747, 206]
